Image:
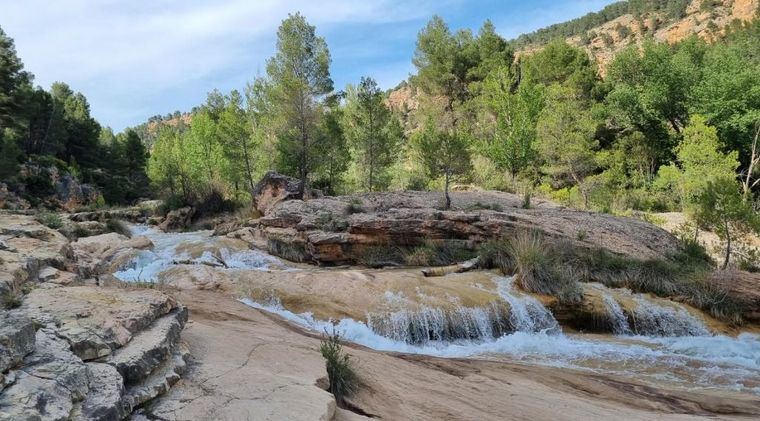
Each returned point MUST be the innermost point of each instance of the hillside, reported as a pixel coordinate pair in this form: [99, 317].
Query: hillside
[708, 19]
[605, 33]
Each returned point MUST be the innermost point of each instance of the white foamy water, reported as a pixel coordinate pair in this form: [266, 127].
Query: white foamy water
[683, 361]
[148, 264]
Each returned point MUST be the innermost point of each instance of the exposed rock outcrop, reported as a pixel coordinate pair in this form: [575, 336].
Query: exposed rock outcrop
[342, 229]
[74, 351]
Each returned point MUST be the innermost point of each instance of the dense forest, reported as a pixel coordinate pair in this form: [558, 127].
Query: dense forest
[47, 134]
[669, 128]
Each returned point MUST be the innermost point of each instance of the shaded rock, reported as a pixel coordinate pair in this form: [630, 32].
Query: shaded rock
[134, 214]
[160, 380]
[10, 200]
[147, 349]
[105, 400]
[325, 231]
[50, 382]
[177, 219]
[17, 339]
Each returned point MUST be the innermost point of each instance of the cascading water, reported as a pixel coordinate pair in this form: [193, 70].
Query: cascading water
[436, 324]
[526, 313]
[518, 329]
[652, 319]
[166, 252]
[617, 317]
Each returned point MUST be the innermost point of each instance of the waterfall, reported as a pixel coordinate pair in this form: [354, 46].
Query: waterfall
[436, 324]
[617, 317]
[527, 314]
[653, 319]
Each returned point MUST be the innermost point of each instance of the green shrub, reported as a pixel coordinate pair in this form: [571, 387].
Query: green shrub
[437, 254]
[354, 206]
[11, 298]
[50, 220]
[380, 256]
[341, 375]
[327, 221]
[540, 270]
[485, 206]
[118, 226]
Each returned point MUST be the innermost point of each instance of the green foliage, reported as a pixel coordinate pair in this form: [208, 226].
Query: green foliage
[50, 219]
[437, 254]
[539, 270]
[341, 374]
[720, 207]
[443, 153]
[566, 142]
[299, 76]
[373, 134]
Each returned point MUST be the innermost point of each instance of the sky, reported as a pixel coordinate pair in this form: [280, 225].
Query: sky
[135, 59]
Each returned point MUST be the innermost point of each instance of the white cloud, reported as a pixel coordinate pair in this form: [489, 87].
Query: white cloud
[134, 59]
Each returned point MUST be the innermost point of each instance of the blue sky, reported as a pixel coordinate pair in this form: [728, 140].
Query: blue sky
[135, 59]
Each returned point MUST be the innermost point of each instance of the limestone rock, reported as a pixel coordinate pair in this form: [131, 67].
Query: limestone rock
[106, 252]
[60, 277]
[148, 348]
[17, 338]
[95, 321]
[177, 219]
[274, 188]
[105, 400]
[341, 230]
[48, 385]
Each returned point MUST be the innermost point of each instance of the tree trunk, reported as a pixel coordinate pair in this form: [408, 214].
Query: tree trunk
[249, 172]
[728, 247]
[446, 191]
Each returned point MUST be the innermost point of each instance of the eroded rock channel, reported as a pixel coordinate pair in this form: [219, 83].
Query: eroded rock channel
[96, 328]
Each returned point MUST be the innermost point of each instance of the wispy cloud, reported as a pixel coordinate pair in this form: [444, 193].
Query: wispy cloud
[136, 59]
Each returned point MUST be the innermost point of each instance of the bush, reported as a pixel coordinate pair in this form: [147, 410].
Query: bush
[11, 298]
[50, 220]
[380, 256]
[438, 254]
[540, 270]
[118, 226]
[485, 206]
[327, 221]
[354, 206]
[342, 378]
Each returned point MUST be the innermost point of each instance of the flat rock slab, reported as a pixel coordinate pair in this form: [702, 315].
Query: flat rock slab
[94, 320]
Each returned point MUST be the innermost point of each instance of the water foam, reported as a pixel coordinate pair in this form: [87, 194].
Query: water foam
[148, 264]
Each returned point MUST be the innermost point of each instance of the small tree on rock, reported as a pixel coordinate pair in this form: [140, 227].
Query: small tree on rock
[443, 152]
[721, 208]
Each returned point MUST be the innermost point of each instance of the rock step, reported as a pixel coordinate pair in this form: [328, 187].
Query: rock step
[149, 348]
[105, 400]
[160, 380]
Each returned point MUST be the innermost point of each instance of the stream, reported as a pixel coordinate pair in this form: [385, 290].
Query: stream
[667, 345]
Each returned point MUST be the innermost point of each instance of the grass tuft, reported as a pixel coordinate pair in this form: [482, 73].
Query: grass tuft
[343, 381]
[50, 220]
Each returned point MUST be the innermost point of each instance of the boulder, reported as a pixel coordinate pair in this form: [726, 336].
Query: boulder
[177, 219]
[10, 200]
[106, 252]
[274, 188]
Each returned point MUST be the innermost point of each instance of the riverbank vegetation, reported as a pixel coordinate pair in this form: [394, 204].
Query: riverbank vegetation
[668, 127]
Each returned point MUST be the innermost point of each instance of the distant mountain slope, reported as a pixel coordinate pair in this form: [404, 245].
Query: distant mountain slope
[620, 24]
